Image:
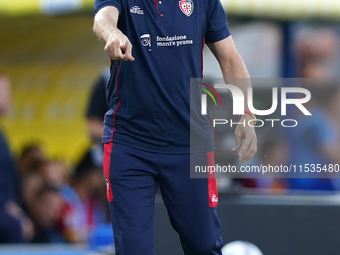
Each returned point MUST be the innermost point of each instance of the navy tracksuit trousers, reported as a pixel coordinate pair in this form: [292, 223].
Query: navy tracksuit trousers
[132, 178]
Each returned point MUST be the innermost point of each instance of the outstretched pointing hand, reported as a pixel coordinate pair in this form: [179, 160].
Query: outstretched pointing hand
[118, 47]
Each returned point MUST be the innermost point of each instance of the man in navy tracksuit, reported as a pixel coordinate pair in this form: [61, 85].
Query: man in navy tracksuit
[147, 129]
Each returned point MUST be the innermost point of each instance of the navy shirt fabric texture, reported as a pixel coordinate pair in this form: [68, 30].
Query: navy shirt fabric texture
[149, 98]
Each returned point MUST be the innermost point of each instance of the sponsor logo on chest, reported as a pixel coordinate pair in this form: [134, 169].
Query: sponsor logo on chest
[136, 10]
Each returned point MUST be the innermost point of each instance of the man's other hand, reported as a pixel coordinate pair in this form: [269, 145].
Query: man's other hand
[249, 146]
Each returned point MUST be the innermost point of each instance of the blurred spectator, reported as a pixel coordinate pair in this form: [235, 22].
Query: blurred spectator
[316, 139]
[45, 210]
[15, 226]
[53, 173]
[31, 184]
[273, 152]
[85, 202]
[98, 107]
[316, 47]
[43, 199]
[31, 157]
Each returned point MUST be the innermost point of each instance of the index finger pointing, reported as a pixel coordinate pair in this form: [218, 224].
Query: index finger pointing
[128, 52]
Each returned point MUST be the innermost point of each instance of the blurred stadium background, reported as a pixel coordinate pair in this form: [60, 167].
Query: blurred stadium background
[53, 59]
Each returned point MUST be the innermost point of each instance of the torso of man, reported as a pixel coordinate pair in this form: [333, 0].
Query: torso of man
[149, 98]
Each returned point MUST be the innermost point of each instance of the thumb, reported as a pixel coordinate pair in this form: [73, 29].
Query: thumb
[238, 142]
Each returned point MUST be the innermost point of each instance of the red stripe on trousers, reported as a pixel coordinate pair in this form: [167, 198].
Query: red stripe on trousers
[106, 166]
[212, 184]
